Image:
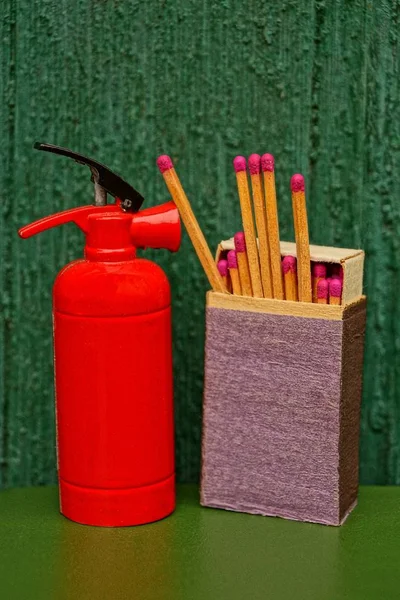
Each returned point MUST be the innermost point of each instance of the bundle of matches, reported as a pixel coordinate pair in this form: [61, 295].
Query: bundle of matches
[255, 266]
[261, 270]
[327, 289]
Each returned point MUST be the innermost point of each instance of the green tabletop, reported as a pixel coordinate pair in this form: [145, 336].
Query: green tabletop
[198, 553]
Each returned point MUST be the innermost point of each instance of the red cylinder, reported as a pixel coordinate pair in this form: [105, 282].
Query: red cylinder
[114, 391]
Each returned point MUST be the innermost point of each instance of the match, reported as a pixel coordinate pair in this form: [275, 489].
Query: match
[271, 207]
[318, 272]
[261, 223]
[234, 273]
[243, 265]
[302, 239]
[198, 240]
[222, 267]
[335, 291]
[289, 268]
[337, 271]
[322, 291]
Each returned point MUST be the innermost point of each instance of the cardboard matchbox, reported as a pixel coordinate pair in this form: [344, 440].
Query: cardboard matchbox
[282, 396]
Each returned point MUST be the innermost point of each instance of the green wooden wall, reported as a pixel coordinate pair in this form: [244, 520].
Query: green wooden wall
[314, 82]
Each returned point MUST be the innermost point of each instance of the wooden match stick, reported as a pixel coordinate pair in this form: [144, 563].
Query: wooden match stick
[261, 223]
[302, 239]
[239, 164]
[243, 265]
[234, 273]
[335, 291]
[318, 272]
[174, 186]
[271, 207]
[322, 291]
[290, 278]
[222, 267]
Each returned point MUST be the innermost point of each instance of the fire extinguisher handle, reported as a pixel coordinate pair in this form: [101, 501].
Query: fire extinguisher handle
[111, 182]
[79, 216]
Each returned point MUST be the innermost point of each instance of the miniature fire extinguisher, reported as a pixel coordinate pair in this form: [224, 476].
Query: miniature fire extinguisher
[113, 358]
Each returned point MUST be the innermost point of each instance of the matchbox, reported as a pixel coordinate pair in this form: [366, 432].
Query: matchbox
[282, 395]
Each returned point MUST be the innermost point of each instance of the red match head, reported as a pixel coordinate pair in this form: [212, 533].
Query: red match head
[337, 271]
[239, 163]
[289, 264]
[297, 183]
[164, 163]
[322, 288]
[232, 259]
[240, 241]
[254, 164]
[319, 270]
[335, 288]
[223, 267]
[267, 162]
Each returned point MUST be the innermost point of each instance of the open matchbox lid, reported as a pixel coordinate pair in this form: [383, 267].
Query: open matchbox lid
[352, 262]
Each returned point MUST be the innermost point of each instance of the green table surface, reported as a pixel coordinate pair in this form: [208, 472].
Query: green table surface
[198, 553]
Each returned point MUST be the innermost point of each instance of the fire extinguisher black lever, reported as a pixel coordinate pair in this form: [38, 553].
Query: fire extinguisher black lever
[103, 178]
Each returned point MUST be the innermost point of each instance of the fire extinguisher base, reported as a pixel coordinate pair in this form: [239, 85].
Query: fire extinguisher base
[117, 507]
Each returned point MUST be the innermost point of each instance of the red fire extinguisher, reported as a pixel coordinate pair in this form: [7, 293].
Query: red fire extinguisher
[112, 358]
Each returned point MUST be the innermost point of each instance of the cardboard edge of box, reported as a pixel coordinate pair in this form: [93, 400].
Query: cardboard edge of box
[284, 307]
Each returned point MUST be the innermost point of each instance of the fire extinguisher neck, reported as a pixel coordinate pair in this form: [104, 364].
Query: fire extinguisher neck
[108, 238]
[108, 255]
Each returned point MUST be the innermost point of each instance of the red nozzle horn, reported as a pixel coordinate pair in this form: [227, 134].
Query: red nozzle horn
[157, 227]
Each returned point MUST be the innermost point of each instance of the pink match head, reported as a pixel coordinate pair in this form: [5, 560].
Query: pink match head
[319, 270]
[337, 271]
[164, 163]
[232, 259]
[255, 164]
[335, 288]
[289, 264]
[223, 267]
[240, 242]
[239, 163]
[297, 183]
[267, 162]
[322, 288]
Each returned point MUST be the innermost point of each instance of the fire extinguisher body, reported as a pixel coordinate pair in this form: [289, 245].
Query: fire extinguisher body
[114, 392]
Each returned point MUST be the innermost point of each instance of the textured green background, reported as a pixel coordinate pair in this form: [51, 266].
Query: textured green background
[315, 83]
